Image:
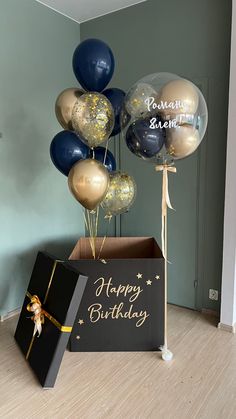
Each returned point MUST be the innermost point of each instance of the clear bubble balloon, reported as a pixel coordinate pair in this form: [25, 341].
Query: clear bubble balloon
[172, 105]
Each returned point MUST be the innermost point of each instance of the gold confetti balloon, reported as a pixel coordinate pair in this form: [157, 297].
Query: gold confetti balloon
[64, 105]
[182, 141]
[120, 195]
[93, 118]
[135, 103]
[88, 182]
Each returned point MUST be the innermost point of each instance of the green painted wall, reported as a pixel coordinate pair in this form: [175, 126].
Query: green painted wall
[36, 209]
[190, 38]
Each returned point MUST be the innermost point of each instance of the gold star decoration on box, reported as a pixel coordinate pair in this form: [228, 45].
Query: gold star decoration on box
[157, 276]
[149, 282]
[139, 275]
[78, 337]
[81, 322]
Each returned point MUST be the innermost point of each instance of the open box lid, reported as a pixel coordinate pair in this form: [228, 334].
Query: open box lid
[118, 248]
[59, 288]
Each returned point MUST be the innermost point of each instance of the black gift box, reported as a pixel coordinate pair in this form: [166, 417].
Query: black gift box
[59, 288]
[122, 308]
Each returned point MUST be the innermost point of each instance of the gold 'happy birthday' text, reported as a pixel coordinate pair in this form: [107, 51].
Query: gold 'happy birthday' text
[131, 291]
[118, 311]
[115, 313]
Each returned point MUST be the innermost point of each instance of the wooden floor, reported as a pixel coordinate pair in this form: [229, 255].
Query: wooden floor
[199, 383]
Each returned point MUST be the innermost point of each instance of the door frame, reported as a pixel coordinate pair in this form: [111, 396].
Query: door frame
[202, 154]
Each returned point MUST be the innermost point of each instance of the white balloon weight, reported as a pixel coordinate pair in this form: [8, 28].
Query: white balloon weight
[164, 117]
[167, 355]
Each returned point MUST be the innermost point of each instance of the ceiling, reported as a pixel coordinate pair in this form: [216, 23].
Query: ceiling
[83, 10]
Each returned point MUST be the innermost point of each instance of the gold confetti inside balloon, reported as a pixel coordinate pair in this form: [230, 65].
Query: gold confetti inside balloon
[182, 141]
[88, 181]
[182, 94]
[65, 104]
[93, 118]
[135, 103]
[120, 195]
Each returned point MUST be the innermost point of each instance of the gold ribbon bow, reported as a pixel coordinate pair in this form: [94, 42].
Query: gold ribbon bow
[39, 313]
[35, 306]
[165, 168]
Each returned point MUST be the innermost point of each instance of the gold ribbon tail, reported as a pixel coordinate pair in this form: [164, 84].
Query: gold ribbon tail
[165, 168]
[37, 328]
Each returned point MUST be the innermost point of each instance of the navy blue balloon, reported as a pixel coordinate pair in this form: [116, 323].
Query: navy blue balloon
[116, 97]
[93, 64]
[110, 162]
[66, 149]
[144, 141]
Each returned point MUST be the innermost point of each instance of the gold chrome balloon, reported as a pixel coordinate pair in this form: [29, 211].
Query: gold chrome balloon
[135, 101]
[181, 93]
[182, 141]
[88, 181]
[120, 195]
[64, 106]
[93, 118]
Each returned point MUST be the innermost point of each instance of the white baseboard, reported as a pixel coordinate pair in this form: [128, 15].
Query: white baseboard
[9, 315]
[227, 327]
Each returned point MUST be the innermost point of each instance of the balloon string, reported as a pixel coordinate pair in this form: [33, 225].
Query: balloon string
[90, 233]
[90, 230]
[87, 228]
[105, 154]
[105, 237]
[165, 285]
[93, 216]
[85, 221]
[96, 222]
[94, 231]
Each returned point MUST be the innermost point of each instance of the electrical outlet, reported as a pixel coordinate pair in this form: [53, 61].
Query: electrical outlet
[213, 294]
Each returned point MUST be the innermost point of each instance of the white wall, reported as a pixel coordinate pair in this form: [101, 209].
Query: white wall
[228, 301]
